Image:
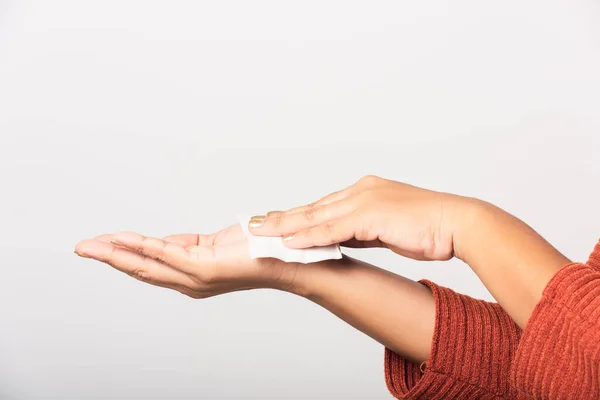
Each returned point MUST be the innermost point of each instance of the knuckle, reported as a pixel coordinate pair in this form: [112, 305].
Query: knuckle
[141, 275]
[329, 229]
[306, 234]
[112, 255]
[155, 248]
[309, 212]
[327, 232]
[113, 259]
[275, 221]
[146, 245]
[363, 233]
[369, 180]
[161, 250]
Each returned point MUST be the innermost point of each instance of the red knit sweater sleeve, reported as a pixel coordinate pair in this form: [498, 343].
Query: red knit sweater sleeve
[473, 343]
[478, 352]
[559, 353]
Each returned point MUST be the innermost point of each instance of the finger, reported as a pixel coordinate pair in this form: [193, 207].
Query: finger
[365, 182]
[286, 224]
[106, 238]
[330, 198]
[165, 252]
[231, 262]
[231, 234]
[191, 239]
[138, 266]
[184, 239]
[330, 232]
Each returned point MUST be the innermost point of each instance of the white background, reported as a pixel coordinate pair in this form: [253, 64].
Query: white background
[169, 117]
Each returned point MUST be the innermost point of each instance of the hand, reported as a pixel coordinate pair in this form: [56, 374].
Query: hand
[207, 265]
[374, 212]
[196, 265]
[513, 261]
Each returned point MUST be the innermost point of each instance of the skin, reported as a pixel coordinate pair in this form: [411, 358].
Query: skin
[512, 260]
[202, 266]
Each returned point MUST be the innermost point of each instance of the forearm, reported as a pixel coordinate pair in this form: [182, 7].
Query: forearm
[395, 311]
[512, 260]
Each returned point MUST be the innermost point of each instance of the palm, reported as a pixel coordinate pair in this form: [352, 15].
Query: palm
[184, 262]
[190, 241]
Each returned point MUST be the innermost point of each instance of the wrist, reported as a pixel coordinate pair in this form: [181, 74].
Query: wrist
[311, 281]
[471, 216]
[296, 278]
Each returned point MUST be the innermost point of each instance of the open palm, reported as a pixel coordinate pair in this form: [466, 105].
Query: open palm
[194, 264]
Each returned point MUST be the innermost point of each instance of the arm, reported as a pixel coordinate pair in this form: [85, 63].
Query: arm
[451, 332]
[559, 353]
[512, 260]
[472, 348]
[555, 300]
[416, 322]
[395, 311]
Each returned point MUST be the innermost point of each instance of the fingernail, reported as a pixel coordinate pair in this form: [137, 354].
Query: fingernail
[117, 243]
[257, 221]
[270, 213]
[287, 238]
[81, 254]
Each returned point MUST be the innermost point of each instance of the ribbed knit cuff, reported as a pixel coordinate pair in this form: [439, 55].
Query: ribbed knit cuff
[472, 341]
[558, 356]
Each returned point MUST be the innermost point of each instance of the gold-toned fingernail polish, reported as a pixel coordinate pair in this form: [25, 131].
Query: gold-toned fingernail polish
[81, 255]
[117, 243]
[271, 213]
[287, 238]
[257, 221]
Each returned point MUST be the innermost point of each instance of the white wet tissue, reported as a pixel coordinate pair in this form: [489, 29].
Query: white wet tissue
[268, 246]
